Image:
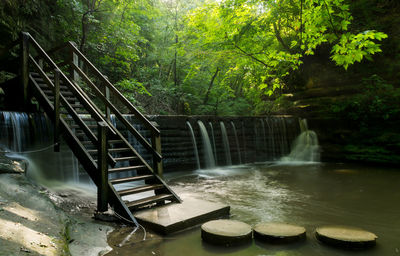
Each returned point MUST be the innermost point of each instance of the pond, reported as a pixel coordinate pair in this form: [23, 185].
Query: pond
[304, 194]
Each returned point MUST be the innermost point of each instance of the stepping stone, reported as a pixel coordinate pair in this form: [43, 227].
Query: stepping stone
[278, 232]
[226, 232]
[347, 237]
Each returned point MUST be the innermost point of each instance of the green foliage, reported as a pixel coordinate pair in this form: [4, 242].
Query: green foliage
[268, 39]
[225, 57]
[379, 101]
[353, 48]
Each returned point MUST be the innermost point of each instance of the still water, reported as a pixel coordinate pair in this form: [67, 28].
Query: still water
[304, 194]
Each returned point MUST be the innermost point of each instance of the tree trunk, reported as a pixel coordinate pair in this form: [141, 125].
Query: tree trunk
[210, 86]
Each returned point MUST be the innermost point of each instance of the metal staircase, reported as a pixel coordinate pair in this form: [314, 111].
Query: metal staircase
[86, 109]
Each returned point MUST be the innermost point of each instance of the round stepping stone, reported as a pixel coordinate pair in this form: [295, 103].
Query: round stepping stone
[226, 232]
[347, 237]
[278, 232]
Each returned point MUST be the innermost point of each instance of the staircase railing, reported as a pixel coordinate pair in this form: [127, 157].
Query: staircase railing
[97, 170]
[30, 41]
[79, 66]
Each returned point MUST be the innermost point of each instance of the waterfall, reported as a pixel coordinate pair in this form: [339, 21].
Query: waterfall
[196, 152]
[213, 141]
[15, 131]
[244, 141]
[283, 137]
[225, 142]
[305, 147]
[30, 138]
[207, 150]
[263, 133]
[237, 141]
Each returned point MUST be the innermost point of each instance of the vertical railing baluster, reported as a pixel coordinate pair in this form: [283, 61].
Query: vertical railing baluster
[102, 166]
[156, 144]
[56, 110]
[107, 94]
[73, 60]
[40, 62]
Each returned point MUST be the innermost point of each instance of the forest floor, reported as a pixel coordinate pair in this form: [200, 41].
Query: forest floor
[47, 221]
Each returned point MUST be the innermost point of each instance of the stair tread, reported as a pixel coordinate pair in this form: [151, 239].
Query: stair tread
[148, 200]
[78, 111]
[88, 125]
[110, 141]
[139, 189]
[112, 150]
[63, 93]
[126, 158]
[126, 168]
[129, 179]
[86, 118]
[62, 87]
[67, 98]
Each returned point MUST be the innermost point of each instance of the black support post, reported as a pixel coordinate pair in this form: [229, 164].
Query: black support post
[156, 144]
[56, 110]
[102, 188]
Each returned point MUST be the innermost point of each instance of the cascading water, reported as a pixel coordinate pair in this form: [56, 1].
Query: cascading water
[196, 152]
[253, 141]
[29, 137]
[225, 142]
[207, 150]
[305, 147]
[13, 135]
[244, 141]
[213, 142]
[263, 133]
[282, 138]
[237, 141]
[271, 141]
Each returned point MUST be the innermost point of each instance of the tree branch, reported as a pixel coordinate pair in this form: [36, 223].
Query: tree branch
[331, 20]
[250, 55]
[279, 38]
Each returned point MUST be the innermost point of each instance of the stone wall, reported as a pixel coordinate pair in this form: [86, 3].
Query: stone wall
[258, 139]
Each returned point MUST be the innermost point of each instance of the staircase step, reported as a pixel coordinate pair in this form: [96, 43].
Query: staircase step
[129, 179]
[86, 142]
[85, 118]
[111, 150]
[69, 99]
[140, 189]
[49, 92]
[41, 85]
[148, 200]
[126, 168]
[88, 125]
[77, 105]
[127, 158]
[78, 111]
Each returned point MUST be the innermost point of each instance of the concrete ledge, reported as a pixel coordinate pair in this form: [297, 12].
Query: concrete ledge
[177, 217]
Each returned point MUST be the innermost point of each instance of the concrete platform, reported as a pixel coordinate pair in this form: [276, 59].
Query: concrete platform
[175, 217]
